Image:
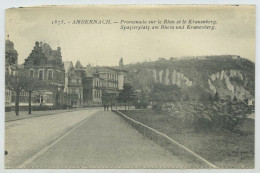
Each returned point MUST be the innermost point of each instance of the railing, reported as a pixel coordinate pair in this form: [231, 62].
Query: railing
[144, 129]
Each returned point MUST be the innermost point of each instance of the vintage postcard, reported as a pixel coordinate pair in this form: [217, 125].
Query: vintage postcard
[130, 86]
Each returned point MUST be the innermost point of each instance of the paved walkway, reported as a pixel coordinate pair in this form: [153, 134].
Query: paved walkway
[106, 141]
[24, 138]
[10, 116]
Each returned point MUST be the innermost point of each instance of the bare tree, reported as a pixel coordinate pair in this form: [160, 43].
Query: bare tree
[33, 85]
[16, 83]
[54, 88]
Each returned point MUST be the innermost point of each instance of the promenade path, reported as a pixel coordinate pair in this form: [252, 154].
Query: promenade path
[105, 141]
[10, 116]
[25, 137]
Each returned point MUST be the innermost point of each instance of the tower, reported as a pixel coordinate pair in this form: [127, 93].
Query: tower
[121, 65]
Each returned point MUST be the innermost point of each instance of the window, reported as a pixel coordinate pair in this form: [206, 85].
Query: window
[31, 73]
[50, 74]
[58, 75]
[41, 77]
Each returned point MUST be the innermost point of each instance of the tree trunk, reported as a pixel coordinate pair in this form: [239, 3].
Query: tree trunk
[128, 105]
[17, 97]
[55, 98]
[125, 106]
[30, 102]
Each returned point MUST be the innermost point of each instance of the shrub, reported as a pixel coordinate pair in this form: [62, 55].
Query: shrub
[140, 105]
[157, 107]
[207, 116]
[41, 108]
[221, 115]
[137, 105]
[65, 106]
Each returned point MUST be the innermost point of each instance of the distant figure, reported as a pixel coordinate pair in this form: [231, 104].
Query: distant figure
[107, 106]
[6, 152]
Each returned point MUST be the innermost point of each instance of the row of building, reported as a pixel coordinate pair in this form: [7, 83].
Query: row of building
[73, 85]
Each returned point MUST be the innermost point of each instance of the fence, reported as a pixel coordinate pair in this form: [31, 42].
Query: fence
[149, 132]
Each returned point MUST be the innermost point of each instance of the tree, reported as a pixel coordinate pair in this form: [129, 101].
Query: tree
[107, 98]
[16, 83]
[33, 85]
[56, 93]
[216, 97]
[163, 93]
[206, 97]
[142, 100]
[127, 95]
[187, 98]
[228, 97]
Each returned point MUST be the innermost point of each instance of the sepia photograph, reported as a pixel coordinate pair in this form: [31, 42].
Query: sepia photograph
[130, 87]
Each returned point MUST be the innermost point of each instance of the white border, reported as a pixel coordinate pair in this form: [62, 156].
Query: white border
[22, 3]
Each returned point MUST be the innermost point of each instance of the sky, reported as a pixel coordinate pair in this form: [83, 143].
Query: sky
[105, 44]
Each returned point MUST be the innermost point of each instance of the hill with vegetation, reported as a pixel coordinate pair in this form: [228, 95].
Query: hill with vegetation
[196, 77]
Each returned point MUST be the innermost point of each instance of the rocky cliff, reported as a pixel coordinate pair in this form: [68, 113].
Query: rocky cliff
[229, 82]
[229, 76]
[170, 77]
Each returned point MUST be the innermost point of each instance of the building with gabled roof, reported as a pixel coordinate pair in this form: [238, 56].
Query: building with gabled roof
[73, 85]
[78, 65]
[92, 87]
[46, 64]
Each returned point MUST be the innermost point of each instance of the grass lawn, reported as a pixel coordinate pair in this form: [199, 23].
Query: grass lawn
[224, 149]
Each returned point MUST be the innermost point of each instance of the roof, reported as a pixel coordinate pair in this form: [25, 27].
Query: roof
[67, 66]
[9, 47]
[78, 65]
[46, 49]
[111, 68]
[49, 52]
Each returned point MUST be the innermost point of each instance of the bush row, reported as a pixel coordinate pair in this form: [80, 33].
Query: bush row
[205, 116]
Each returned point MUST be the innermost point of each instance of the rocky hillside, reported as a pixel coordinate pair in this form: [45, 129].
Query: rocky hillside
[227, 75]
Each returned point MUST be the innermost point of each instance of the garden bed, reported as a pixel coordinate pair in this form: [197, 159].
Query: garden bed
[223, 148]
